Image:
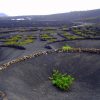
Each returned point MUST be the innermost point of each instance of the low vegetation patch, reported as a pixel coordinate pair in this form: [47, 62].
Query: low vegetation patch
[47, 37]
[13, 40]
[67, 48]
[62, 81]
[69, 36]
[19, 41]
[84, 32]
[31, 37]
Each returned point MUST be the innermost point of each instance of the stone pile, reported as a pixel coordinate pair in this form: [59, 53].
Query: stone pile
[3, 96]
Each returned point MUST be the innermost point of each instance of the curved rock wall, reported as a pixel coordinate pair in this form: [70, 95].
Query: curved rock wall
[74, 50]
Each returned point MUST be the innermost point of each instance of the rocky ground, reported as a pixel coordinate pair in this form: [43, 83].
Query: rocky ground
[28, 79]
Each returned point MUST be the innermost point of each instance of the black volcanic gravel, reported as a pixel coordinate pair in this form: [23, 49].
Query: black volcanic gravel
[28, 80]
[77, 44]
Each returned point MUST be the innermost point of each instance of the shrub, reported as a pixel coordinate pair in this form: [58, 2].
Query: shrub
[67, 48]
[62, 81]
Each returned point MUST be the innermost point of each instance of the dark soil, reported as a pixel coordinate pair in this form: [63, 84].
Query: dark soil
[28, 80]
[77, 44]
[7, 53]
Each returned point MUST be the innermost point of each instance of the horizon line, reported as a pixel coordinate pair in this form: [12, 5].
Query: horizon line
[6, 15]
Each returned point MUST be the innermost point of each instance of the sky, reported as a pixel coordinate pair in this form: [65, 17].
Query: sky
[45, 7]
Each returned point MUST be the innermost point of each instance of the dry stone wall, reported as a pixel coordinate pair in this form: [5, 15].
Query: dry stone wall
[74, 50]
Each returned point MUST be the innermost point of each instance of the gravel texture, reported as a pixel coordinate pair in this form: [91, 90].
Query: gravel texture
[28, 80]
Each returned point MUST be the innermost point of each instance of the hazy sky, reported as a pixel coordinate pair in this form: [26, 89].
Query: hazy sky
[42, 7]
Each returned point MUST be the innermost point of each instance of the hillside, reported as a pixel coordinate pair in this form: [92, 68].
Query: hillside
[3, 15]
[71, 16]
[52, 20]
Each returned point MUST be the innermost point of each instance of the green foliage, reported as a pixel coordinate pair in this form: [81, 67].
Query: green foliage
[69, 36]
[25, 42]
[47, 37]
[78, 32]
[67, 48]
[16, 40]
[84, 32]
[13, 40]
[52, 40]
[62, 81]
[44, 35]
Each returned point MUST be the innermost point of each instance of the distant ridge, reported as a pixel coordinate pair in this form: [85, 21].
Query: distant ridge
[70, 16]
[90, 16]
[3, 15]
